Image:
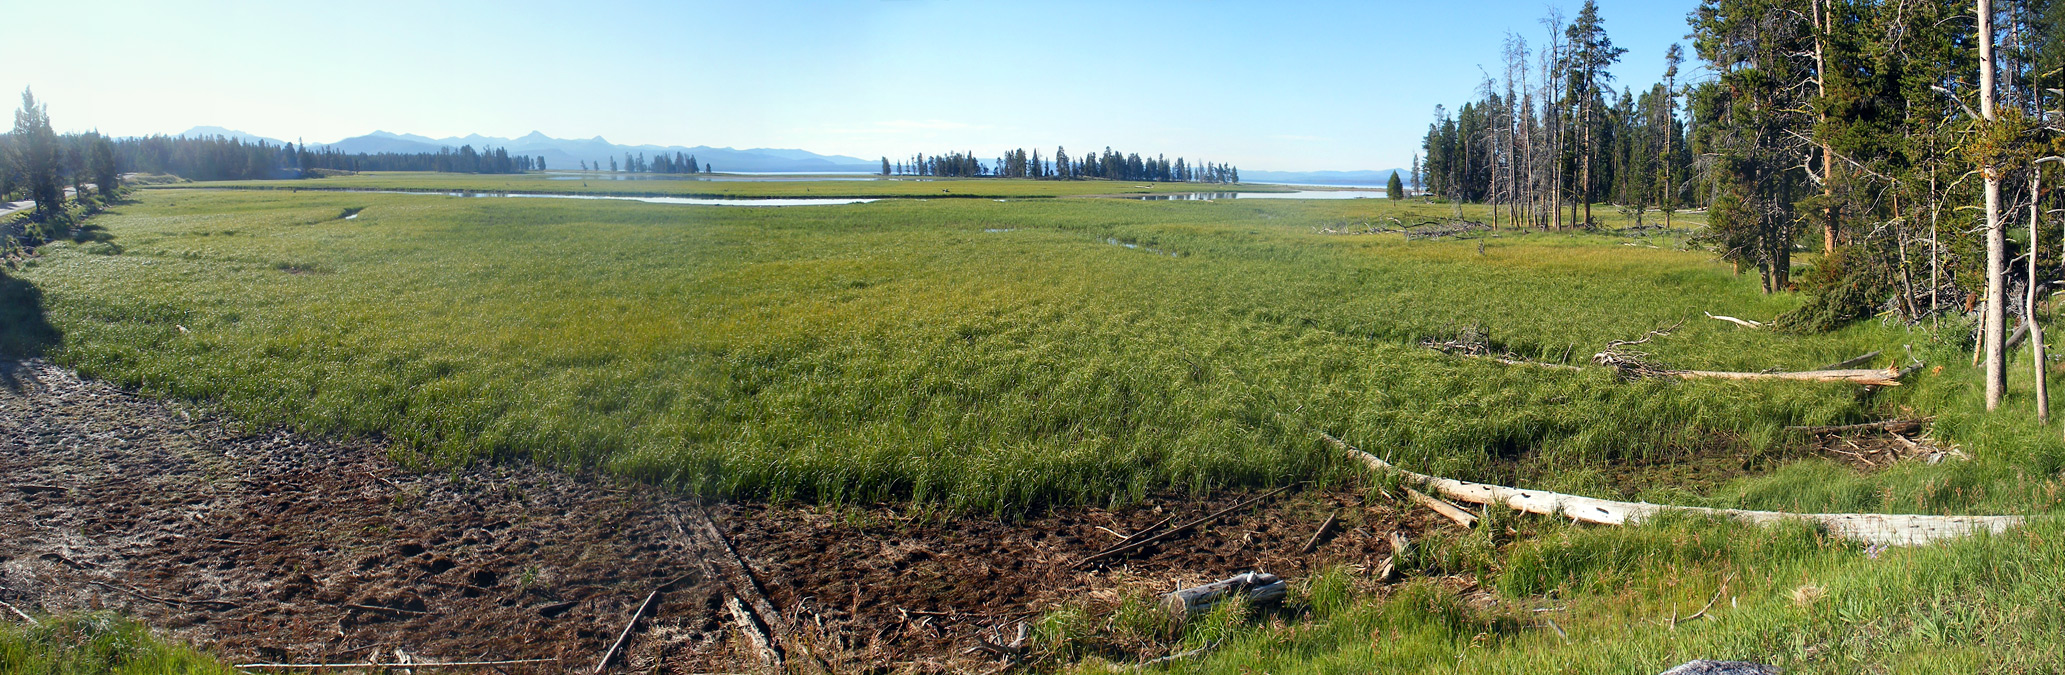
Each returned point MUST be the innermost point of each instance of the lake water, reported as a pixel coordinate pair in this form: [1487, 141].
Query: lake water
[1301, 194]
[693, 201]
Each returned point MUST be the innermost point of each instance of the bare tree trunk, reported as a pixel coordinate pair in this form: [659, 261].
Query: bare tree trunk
[1900, 240]
[1996, 241]
[2043, 394]
[1828, 155]
[1935, 258]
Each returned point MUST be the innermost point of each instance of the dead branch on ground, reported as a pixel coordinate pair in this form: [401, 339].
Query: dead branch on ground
[1130, 547]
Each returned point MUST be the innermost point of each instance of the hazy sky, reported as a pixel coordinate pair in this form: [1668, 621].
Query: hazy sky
[1265, 85]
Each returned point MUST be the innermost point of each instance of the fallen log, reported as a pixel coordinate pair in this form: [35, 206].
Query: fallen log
[1870, 528]
[1447, 510]
[1895, 426]
[1889, 377]
[713, 549]
[1707, 667]
[410, 666]
[1745, 323]
[763, 644]
[1255, 586]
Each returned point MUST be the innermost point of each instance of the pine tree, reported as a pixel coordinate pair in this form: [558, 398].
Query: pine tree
[36, 155]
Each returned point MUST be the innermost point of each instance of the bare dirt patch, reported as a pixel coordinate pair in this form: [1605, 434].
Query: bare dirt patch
[261, 545]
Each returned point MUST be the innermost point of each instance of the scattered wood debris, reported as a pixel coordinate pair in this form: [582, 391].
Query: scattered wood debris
[1131, 546]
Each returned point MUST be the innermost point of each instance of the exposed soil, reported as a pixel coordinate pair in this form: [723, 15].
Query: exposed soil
[261, 545]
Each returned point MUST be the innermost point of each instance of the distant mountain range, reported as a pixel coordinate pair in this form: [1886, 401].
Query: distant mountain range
[569, 153]
[1377, 178]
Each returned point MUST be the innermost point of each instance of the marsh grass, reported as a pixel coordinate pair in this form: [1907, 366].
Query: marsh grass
[96, 644]
[1784, 596]
[902, 350]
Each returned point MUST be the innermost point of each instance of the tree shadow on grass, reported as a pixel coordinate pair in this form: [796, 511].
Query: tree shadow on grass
[25, 330]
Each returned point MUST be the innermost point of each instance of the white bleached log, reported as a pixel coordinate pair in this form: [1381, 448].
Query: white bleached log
[1889, 377]
[1871, 528]
[1745, 323]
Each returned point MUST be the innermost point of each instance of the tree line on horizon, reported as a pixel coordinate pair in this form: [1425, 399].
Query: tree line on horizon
[225, 158]
[31, 153]
[661, 163]
[1106, 165]
[1902, 140]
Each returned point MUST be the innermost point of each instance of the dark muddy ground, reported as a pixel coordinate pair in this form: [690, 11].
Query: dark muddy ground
[267, 546]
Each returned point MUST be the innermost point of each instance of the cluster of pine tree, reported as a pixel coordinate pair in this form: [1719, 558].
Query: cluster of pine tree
[1902, 140]
[1552, 133]
[38, 164]
[1107, 165]
[662, 163]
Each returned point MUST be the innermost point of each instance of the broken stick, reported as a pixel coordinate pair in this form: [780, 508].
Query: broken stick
[156, 599]
[1451, 511]
[1321, 532]
[625, 636]
[18, 612]
[1739, 322]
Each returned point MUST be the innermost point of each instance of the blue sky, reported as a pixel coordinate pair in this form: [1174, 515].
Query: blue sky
[1265, 85]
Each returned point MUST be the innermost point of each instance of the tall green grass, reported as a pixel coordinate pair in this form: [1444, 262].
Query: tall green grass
[993, 356]
[96, 644]
[1619, 601]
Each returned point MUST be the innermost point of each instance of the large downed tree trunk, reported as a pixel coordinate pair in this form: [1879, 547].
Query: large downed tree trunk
[1889, 377]
[1871, 528]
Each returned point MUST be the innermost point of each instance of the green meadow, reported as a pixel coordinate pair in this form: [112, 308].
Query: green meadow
[992, 358]
[982, 355]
